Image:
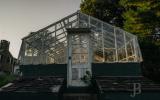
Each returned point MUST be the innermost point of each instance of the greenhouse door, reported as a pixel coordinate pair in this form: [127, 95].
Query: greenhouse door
[78, 58]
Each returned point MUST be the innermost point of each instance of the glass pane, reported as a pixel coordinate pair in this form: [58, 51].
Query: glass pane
[76, 58]
[84, 58]
[75, 73]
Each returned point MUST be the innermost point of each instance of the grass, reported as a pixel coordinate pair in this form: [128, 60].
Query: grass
[4, 79]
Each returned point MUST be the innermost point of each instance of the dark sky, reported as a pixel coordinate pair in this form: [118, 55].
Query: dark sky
[20, 17]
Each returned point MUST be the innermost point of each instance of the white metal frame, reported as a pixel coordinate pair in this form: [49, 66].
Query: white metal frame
[80, 65]
[109, 44]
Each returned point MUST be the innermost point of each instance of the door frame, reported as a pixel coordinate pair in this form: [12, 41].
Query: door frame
[69, 56]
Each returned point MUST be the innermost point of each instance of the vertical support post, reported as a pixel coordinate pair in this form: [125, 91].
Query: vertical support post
[139, 54]
[90, 52]
[103, 42]
[89, 21]
[125, 45]
[22, 52]
[65, 33]
[55, 40]
[80, 49]
[78, 19]
[32, 56]
[69, 54]
[42, 49]
[68, 23]
[89, 42]
[115, 37]
[135, 49]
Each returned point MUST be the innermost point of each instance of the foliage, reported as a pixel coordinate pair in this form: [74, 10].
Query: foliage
[4, 79]
[151, 55]
[106, 10]
[87, 78]
[88, 7]
[141, 17]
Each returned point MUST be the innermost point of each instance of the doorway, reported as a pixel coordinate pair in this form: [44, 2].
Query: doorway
[79, 57]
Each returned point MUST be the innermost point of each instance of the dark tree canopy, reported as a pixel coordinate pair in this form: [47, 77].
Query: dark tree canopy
[141, 17]
[106, 10]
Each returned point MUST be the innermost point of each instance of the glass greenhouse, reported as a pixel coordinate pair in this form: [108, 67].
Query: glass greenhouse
[108, 44]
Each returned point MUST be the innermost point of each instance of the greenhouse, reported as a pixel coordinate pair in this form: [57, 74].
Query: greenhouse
[81, 58]
[106, 43]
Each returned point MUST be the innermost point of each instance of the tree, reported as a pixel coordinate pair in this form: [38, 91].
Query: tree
[141, 17]
[106, 10]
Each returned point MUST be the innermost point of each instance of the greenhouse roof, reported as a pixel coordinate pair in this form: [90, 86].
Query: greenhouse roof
[49, 44]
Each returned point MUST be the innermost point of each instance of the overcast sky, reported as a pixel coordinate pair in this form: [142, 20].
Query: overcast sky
[20, 17]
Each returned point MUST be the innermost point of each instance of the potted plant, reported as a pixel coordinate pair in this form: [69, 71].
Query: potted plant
[87, 78]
